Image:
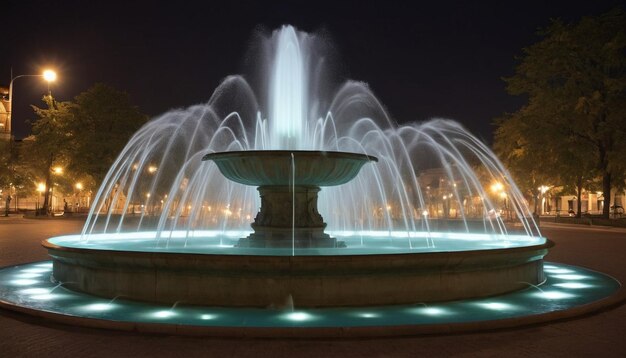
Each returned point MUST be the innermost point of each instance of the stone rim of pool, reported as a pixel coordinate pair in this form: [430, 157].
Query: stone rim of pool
[245, 280]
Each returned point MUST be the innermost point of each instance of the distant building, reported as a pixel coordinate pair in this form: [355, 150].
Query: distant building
[592, 202]
[5, 114]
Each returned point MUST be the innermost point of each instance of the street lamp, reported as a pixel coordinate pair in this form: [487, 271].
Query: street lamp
[41, 187]
[48, 75]
[79, 187]
[543, 190]
[498, 189]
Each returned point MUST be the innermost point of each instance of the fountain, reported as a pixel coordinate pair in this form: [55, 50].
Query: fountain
[289, 254]
[434, 217]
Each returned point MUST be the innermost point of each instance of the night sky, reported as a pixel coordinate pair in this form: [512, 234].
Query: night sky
[423, 60]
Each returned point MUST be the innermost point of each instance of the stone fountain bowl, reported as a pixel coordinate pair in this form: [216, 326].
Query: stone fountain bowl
[274, 167]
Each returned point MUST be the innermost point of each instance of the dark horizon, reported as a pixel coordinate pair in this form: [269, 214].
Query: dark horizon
[444, 59]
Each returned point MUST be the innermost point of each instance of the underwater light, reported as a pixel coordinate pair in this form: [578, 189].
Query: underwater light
[368, 315]
[299, 316]
[35, 270]
[99, 307]
[163, 314]
[208, 316]
[24, 282]
[573, 285]
[553, 295]
[45, 296]
[496, 306]
[570, 277]
[432, 311]
[35, 291]
[27, 275]
[45, 264]
[558, 271]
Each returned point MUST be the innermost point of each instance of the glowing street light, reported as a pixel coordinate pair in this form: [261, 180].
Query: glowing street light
[48, 75]
[57, 170]
[496, 187]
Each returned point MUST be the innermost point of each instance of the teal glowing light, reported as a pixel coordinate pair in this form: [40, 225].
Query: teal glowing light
[570, 277]
[298, 316]
[163, 314]
[99, 307]
[207, 316]
[497, 306]
[433, 311]
[573, 285]
[24, 282]
[35, 291]
[46, 296]
[36, 270]
[554, 295]
[368, 315]
[558, 271]
[27, 275]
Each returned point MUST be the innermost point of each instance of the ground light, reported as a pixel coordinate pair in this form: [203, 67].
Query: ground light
[576, 291]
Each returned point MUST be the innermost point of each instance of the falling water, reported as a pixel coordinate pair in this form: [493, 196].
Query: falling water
[293, 205]
[432, 176]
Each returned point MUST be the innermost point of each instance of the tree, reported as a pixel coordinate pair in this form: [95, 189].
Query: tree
[6, 160]
[50, 142]
[83, 137]
[103, 120]
[575, 80]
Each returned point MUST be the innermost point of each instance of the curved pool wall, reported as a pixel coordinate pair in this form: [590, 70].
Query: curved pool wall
[567, 292]
[462, 266]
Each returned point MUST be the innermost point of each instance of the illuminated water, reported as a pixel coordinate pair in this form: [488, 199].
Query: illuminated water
[361, 243]
[428, 173]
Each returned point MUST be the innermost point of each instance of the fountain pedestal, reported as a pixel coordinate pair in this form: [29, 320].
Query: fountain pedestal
[288, 217]
[289, 182]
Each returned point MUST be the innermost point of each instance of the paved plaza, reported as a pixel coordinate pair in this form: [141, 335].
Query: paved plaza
[598, 335]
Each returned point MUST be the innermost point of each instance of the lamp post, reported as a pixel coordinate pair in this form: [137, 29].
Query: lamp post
[41, 187]
[48, 75]
[543, 189]
[79, 187]
[498, 189]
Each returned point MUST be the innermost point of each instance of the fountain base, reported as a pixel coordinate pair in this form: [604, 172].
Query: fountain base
[288, 217]
[264, 237]
[252, 280]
